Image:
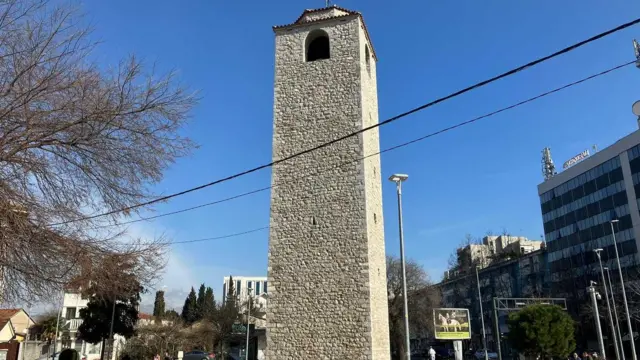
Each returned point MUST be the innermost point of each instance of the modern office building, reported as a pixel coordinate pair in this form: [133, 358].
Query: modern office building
[578, 206]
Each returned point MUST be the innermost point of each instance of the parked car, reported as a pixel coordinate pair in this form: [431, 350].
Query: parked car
[480, 355]
[196, 355]
[233, 357]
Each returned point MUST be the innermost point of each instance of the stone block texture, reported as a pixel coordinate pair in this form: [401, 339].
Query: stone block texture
[327, 266]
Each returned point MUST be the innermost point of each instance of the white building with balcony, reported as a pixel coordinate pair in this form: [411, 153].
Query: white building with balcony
[244, 286]
[255, 287]
[70, 321]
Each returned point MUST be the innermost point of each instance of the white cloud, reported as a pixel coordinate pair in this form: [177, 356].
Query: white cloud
[184, 269]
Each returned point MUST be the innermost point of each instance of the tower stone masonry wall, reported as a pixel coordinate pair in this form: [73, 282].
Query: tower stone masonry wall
[327, 266]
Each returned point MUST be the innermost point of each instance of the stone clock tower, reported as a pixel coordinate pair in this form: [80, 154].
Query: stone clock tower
[327, 270]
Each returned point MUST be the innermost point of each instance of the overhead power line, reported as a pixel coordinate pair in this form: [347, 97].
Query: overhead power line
[395, 147]
[387, 121]
[220, 237]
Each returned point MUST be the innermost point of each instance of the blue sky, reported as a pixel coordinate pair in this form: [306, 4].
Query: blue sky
[478, 178]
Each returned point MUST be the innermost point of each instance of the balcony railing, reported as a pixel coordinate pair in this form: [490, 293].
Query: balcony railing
[73, 324]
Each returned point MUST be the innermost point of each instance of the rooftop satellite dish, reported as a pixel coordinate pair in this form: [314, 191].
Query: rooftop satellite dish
[636, 108]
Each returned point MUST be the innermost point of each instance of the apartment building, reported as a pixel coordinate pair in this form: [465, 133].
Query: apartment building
[245, 286]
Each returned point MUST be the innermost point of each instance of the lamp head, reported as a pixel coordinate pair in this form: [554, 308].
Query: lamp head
[396, 178]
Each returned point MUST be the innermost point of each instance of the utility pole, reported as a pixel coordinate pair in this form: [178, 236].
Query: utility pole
[246, 351]
[615, 314]
[398, 179]
[484, 334]
[596, 315]
[606, 295]
[624, 293]
[497, 332]
[113, 318]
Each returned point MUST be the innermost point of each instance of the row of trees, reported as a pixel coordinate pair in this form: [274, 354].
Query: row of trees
[203, 324]
[200, 307]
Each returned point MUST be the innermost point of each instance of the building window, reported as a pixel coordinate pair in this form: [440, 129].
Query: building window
[257, 287]
[317, 45]
[367, 58]
[238, 287]
[375, 218]
[71, 313]
[265, 286]
[224, 291]
[249, 287]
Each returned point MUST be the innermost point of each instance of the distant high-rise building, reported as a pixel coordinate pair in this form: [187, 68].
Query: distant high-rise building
[492, 250]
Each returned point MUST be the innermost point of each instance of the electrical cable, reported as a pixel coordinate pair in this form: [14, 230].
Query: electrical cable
[395, 147]
[379, 124]
[220, 237]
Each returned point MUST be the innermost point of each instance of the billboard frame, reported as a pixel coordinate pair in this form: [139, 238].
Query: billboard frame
[436, 324]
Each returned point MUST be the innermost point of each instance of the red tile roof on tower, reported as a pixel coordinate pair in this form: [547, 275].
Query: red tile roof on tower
[346, 12]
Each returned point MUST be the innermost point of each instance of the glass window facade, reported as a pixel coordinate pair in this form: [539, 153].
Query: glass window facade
[576, 216]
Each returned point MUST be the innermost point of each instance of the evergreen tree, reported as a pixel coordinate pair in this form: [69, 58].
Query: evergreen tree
[158, 306]
[115, 296]
[200, 302]
[190, 308]
[96, 316]
[231, 292]
[171, 315]
[546, 331]
[209, 305]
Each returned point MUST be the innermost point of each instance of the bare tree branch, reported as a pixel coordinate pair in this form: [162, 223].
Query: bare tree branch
[74, 140]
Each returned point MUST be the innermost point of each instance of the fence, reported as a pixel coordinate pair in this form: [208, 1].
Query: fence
[34, 349]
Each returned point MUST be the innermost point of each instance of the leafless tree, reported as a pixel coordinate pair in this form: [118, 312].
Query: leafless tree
[75, 140]
[154, 339]
[422, 299]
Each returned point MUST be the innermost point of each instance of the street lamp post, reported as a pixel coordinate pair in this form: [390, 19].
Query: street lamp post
[615, 313]
[55, 341]
[596, 315]
[624, 293]
[484, 334]
[246, 351]
[398, 179]
[606, 295]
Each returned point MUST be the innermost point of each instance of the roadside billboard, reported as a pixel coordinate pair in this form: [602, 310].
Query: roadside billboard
[451, 324]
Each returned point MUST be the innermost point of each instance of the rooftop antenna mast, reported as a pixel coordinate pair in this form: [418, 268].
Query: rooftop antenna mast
[548, 168]
[636, 105]
[636, 49]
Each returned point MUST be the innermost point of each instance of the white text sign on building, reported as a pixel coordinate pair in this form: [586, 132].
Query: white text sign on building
[576, 159]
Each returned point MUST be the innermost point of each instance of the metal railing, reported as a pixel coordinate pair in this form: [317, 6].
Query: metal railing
[73, 324]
